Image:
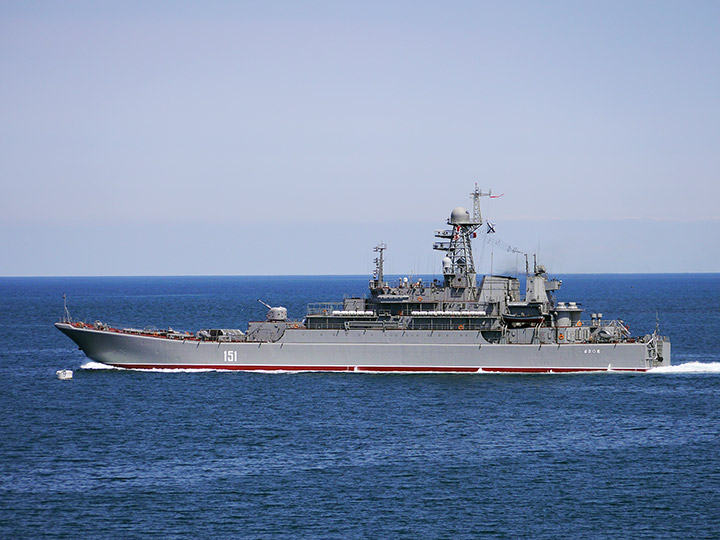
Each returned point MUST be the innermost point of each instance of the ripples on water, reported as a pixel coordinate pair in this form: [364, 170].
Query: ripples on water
[118, 453]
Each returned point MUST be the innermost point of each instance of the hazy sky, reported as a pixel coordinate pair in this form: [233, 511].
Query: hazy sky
[290, 137]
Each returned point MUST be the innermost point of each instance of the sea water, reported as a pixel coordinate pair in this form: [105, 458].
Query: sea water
[115, 453]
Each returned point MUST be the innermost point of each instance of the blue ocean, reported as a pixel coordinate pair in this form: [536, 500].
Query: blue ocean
[158, 454]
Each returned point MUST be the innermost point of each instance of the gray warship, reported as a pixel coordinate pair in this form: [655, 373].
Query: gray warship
[451, 324]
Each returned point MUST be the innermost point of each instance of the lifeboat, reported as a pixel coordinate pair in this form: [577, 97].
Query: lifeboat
[520, 320]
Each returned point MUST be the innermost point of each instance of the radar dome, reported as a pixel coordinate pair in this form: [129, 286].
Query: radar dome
[459, 215]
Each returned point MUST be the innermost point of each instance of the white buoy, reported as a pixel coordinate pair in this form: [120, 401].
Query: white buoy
[64, 374]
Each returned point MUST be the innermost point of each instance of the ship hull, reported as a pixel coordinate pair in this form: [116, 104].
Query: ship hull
[360, 350]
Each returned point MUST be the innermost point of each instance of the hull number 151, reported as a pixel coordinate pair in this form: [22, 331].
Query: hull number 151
[230, 356]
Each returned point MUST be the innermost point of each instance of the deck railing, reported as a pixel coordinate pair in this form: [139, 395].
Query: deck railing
[323, 308]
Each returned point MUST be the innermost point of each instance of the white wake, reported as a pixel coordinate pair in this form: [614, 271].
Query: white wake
[97, 365]
[689, 367]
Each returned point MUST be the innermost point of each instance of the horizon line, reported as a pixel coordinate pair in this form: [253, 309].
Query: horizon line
[337, 275]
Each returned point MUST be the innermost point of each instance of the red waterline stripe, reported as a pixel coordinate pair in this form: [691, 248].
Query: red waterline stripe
[375, 368]
[418, 368]
[234, 367]
[552, 370]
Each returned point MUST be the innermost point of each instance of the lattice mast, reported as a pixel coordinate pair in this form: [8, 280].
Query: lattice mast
[458, 264]
[378, 273]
